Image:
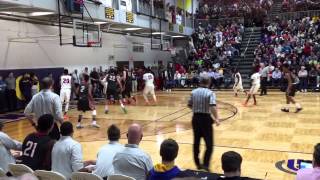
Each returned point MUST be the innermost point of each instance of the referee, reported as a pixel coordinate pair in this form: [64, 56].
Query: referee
[46, 102]
[203, 104]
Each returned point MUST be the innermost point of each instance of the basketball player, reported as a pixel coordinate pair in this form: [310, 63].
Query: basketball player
[113, 90]
[149, 87]
[291, 89]
[65, 91]
[255, 78]
[126, 81]
[85, 102]
[237, 87]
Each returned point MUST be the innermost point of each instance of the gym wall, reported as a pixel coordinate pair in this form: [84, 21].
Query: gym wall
[43, 50]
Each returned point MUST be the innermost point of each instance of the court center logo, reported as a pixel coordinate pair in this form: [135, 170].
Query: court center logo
[291, 166]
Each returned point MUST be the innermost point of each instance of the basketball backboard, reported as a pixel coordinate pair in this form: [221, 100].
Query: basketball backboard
[86, 34]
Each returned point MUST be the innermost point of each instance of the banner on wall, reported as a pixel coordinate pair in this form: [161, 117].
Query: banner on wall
[188, 5]
[126, 5]
[185, 5]
[129, 17]
[109, 13]
[106, 3]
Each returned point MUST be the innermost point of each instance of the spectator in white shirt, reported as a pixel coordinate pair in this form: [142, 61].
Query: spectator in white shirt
[238, 40]
[303, 77]
[276, 77]
[177, 78]
[107, 152]
[133, 161]
[7, 144]
[67, 153]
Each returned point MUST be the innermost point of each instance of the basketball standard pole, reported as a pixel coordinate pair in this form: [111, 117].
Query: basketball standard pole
[59, 19]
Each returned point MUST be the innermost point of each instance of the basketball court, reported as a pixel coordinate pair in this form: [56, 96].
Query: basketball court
[266, 137]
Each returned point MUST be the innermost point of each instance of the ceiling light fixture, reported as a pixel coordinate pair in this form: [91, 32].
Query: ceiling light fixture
[177, 36]
[6, 12]
[40, 13]
[158, 33]
[100, 22]
[132, 29]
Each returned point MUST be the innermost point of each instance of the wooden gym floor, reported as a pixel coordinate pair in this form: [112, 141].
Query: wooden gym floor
[262, 134]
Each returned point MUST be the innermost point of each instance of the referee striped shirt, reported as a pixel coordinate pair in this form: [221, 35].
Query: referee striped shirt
[201, 100]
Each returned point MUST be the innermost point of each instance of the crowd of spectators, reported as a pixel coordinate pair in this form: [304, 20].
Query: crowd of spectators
[214, 9]
[212, 49]
[300, 5]
[296, 42]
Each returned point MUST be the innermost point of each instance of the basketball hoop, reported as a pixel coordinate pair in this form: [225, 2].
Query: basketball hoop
[86, 34]
[93, 44]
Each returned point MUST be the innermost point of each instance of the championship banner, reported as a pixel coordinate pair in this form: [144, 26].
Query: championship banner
[129, 17]
[109, 13]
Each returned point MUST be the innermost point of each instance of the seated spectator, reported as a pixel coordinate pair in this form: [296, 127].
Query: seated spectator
[6, 145]
[276, 77]
[217, 78]
[167, 169]
[67, 153]
[37, 146]
[231, 165]
[227, 78]
[313, 77]
[107, 152]
[303, 77]
[311, 173]
[132, 161]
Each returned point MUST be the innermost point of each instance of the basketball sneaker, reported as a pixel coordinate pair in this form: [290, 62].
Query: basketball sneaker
[79, 126]
[298, 110]
[284, 110]
[95, 125]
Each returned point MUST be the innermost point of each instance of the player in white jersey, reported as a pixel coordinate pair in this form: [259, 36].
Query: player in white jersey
[237, 87]
[65, 91]
[149, 87]
[255, 78]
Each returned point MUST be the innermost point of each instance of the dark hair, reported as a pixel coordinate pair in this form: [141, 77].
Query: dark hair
[285, 65]
[113, 133]
[169, 150]
[66, 128]
[316, 155]
[45, 122]
[256, 69]
[86, 77]
[65, 71]
[46, 83]
[1, 125]
[205, 81]
[231, 161]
